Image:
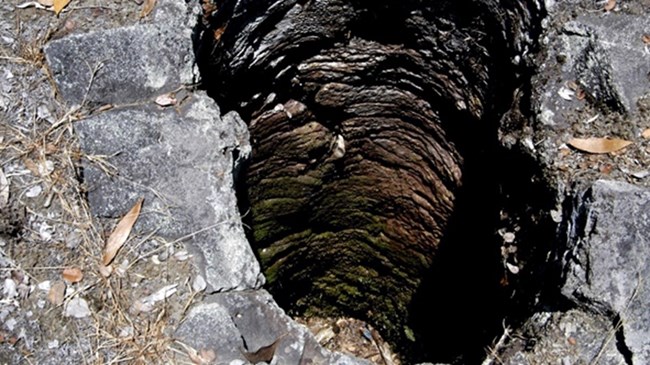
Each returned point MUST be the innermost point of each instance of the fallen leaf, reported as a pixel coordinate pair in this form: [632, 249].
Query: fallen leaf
[202, 357]
[31, 166]
[646, 38]
[218, 33]
[147, 8]
[72, 274]
[611, 4]
[121, 233]
[56, 293]
[166, 100]
[46, 2]
[58, 5]
[646, 134]
[606, 169]
[598, 145]
[4, 190]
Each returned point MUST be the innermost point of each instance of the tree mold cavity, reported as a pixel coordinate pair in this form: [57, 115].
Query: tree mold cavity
[374, 188]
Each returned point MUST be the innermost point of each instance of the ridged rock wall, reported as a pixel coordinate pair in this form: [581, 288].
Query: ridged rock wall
[362, 116]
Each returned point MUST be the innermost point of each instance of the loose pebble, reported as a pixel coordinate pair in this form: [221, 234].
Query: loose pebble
[199, 284]
[10, 324]
[9, 289]
[34, 191]
[44, 285]
[77, 308]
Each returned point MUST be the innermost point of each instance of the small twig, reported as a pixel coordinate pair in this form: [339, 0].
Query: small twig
[93, 74]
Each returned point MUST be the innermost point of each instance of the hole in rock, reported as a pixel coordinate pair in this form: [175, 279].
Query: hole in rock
[377, 183]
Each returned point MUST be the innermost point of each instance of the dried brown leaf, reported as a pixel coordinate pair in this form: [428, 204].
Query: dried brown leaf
[598, 145]
[611, 4]
[72, 274]
[31, 166]
[121, 233]
[646, 134]
[46, 2]
[59, 5]
[646, 38]
[56, 293]
[147, 8]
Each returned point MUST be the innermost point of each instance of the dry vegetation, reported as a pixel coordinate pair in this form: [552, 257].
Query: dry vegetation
[54, 302]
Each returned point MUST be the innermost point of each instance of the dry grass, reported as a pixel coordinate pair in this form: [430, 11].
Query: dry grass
[50, 154]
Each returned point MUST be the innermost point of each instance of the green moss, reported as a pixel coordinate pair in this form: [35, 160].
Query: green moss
[285, 187]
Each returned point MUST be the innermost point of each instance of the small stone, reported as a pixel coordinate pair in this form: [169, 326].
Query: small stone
[509, 237]
[512, 268]
[9, 289]
[556, 216]
[199, 284]
[44, 285]
[73, 240]
[182, 255]
[45, 231]
[45, 169]
[120, 270]
[77, 308]
[164, 255]
[126, 331]
[10, 324]
[42, 112]
[53, 344]
[34, 191]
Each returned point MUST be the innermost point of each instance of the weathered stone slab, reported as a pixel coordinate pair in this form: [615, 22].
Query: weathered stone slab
[572, 337]
[605, 56]
[239, 323]
[620, 36]
[125, 65]
[181, 162]
[607, 269]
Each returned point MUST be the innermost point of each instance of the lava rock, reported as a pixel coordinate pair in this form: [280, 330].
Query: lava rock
[125, 65]
[181, 163]
[572, 337]
[250, 327]
[606, 267]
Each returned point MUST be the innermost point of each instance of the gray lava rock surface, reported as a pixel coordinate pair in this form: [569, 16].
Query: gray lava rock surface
[181, 162]
[607, 269]
[250, 327]
[125, 65]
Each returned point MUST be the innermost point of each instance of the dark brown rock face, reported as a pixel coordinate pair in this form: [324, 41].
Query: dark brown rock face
[362, 116]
